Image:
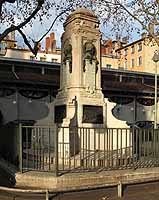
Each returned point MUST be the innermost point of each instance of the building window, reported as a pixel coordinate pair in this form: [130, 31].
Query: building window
[119, 54]
[32, 58]
[42, 59]
[126, 52]
[132, 63]
[140, 60]
[125, 65]
[108, 66]
[140, 46]
[3, 48]
[54, 60]
[133, 49]
[92, 114]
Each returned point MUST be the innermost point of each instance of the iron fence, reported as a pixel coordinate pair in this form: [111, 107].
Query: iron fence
[76, 149]
[37, 144]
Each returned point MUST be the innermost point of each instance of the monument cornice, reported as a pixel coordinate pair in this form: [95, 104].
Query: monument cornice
[81, 17]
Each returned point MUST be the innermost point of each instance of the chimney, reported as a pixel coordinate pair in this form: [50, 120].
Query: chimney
[47, 44]
[52, 42]
[52, 36]
[143, 35]
[39, 46]
[11, 36]
[151, 28]
[125, 40]
[119, 44]
[53, 46]
[106, 47]
[117, 37]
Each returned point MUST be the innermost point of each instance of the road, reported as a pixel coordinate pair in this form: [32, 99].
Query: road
[149, 191]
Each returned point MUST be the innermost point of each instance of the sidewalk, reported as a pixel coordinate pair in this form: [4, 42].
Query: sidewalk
[86, 180]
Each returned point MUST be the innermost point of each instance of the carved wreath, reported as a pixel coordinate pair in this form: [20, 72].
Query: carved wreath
[89, 53]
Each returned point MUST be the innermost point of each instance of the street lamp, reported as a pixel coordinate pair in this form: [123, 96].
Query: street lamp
[155, 59]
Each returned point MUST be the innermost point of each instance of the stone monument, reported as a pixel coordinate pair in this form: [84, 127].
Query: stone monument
[80, 100]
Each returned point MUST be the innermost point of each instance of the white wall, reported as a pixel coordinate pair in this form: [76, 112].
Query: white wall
[26, 54]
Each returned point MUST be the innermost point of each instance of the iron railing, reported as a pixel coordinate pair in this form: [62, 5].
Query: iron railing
[37, 148]
[75, 149]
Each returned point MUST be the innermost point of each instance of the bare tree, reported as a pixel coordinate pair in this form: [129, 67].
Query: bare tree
[130, 15]
[17, 14]
[120, 15]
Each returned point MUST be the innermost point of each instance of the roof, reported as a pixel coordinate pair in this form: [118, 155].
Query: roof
[81, 13]
[130, 44]
[29, 62]
[56, 52]
[31, 78]
[124, 71]
[127, 81]
[136, 87]
[30, 72]
[84, 11]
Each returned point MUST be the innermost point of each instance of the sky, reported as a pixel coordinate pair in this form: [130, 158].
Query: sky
[38, 29]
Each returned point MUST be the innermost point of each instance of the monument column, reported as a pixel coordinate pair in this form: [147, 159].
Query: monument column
[80, 78]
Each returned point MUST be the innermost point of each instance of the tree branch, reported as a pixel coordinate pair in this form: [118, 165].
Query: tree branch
[151, 34]
[54, 22]
[33, 50]
[36, 43]
[21, 25]
[3, 1]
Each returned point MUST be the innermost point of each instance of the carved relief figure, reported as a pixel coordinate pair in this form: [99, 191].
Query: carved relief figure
[89, 53]
[67, 54]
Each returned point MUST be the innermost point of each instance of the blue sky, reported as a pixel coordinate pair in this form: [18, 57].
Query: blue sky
[37, 30]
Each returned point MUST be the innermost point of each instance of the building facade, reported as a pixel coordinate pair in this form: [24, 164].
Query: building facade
[118, 54]
[137, 56]
[51, 53]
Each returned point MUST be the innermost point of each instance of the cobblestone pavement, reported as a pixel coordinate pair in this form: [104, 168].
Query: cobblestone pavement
[149, 191]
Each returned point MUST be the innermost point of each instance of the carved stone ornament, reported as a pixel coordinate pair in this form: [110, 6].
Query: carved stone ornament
[4, 92]
[67, 54]
[33, 94]
[89, 53]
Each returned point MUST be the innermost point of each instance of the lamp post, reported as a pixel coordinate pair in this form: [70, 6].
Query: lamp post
[155, 59]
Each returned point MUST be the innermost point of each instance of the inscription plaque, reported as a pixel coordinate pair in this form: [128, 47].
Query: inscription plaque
[92, 114]
[60, 113]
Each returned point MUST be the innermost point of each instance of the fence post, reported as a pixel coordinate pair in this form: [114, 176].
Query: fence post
[133, 146]
[20, 148]
[120, 189]
[47, 195]
[56, 150]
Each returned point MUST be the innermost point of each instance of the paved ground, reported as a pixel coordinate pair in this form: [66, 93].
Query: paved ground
[134, 192]
[149, 191]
